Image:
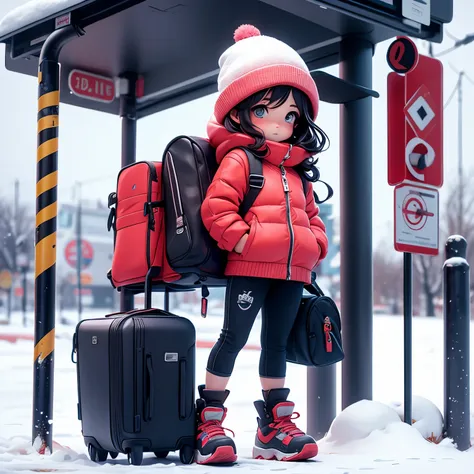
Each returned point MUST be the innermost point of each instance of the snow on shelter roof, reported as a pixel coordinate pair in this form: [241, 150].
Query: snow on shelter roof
[34, 11]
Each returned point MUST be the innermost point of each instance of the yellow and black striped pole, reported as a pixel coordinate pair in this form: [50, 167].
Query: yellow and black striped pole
[45, 237]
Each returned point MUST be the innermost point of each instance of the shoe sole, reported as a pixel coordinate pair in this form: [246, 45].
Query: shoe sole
[270, 454]
[222, 455]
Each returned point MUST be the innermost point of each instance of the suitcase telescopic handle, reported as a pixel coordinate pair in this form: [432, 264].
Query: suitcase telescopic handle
[150, 397]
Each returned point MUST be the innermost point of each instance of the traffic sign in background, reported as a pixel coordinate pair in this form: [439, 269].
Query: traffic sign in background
[86, 256]
[416, 219]
[5, 280]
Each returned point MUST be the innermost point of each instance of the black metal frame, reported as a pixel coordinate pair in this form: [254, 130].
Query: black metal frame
[354, 94]
[128, 116]
[356, 227]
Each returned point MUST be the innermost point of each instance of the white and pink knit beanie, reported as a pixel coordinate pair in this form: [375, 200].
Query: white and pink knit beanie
[256, 62]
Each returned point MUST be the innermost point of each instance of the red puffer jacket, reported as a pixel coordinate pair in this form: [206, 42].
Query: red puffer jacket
[286, 236]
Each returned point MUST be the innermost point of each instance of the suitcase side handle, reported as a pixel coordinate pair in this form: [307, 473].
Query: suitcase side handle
[141, 312]
[150, 397]
[182, 389]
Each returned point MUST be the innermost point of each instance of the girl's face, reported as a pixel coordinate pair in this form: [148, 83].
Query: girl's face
[276, 121]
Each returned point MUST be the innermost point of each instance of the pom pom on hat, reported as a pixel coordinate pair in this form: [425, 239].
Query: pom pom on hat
[245, 31]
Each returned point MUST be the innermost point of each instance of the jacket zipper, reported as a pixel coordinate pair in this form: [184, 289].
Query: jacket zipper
[178, 208]
[286, 189]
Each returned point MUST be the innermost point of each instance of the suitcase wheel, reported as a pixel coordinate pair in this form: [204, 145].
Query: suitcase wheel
[186, 454]
[97, 455]
[161, 454]
[113, 455]
[135, 456]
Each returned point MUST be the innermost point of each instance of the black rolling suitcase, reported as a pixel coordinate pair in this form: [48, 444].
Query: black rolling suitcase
[136, 387]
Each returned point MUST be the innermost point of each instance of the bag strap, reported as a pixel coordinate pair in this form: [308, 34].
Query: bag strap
[314, 288]
[256, 182]
[112, 220]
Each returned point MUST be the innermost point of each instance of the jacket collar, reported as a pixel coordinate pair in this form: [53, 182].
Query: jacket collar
[224, 141]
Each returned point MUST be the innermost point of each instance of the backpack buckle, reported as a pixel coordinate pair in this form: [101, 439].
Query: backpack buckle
[256, 181]
[112, 200]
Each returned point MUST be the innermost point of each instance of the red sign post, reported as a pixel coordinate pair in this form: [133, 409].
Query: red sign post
[91, 86]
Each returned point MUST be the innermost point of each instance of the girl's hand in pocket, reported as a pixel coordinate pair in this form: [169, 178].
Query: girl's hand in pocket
[241, 244]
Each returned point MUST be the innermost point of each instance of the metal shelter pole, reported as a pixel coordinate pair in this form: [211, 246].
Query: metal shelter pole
[408, 337]
[356, 224]
[45, 236]
[128, 116]
[321, 400]
[79, 251]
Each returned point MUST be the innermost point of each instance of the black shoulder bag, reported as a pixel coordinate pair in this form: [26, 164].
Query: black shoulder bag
[315, 339]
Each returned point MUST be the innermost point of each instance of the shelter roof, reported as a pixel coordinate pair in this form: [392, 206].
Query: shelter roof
[175, 44]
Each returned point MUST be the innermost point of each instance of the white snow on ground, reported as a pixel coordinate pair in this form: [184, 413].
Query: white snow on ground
[366, 436]
[33, 11]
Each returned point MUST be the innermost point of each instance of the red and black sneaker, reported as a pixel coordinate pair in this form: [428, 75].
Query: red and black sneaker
[213, 446]
[277, 436]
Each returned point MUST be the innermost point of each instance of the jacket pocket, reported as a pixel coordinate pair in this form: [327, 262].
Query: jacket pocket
[251, 237]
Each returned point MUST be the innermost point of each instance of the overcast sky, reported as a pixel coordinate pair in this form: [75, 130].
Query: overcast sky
[90, 141]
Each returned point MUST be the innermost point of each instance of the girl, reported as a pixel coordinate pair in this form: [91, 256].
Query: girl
[267, 103]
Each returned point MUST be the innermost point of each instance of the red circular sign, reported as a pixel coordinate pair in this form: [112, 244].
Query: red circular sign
[414, 212]
[402, 55]
[87, 254]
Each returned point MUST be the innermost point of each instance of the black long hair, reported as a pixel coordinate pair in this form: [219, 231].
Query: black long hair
[306, 134]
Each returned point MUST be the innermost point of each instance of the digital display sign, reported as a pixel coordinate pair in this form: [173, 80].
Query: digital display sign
[440, 10]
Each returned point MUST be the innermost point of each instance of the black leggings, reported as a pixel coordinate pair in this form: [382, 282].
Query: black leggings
[245, 296]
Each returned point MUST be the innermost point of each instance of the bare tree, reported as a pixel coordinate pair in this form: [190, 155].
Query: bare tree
[388, 282]
[429, 272]
[456, 222]
[16, 232]
[455, 219]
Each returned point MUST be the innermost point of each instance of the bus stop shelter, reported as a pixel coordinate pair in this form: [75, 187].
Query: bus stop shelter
[162, 53]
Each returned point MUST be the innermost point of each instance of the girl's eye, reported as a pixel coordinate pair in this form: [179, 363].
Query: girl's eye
[260, 112]
[291, 117]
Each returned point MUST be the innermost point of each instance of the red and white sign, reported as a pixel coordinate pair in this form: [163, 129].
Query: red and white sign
[415, 124]
[416, 219]
[70, 253]
[62, 21]
[91, 86]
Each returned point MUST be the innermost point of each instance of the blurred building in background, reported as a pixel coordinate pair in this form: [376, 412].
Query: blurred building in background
[96, 260]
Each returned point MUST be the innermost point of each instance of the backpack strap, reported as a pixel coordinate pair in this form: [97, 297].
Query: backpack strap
[256, 182]
[111, 221]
